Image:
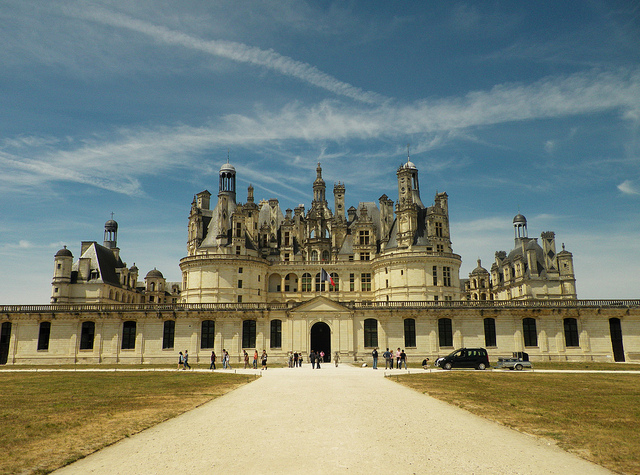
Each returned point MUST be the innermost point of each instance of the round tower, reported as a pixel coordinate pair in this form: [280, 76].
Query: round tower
[111, 234]
[62, 267]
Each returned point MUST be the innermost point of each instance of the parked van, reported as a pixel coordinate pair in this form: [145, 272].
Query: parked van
[465, 358]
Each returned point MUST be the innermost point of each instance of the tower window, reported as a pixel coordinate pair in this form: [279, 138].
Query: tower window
[438, 229]
[364, 238]
[365, 282]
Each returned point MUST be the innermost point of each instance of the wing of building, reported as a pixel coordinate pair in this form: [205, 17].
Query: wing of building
[345, 281]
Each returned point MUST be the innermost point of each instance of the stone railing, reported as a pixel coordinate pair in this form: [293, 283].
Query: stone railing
[259, 306]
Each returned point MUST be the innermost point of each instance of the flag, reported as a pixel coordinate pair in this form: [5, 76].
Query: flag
[325, 277]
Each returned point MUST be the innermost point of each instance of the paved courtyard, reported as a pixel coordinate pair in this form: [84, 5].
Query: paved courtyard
[334, 420]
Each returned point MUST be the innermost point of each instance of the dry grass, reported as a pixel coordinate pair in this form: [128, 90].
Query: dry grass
[48, 420]
[596, 416]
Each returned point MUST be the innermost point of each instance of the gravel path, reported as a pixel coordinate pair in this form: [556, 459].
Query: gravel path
[333, 420]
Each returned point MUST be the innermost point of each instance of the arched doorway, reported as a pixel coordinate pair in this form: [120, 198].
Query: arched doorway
[321, 339]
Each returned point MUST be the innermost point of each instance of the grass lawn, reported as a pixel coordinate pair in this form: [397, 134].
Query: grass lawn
[50, 419]
[596, 416]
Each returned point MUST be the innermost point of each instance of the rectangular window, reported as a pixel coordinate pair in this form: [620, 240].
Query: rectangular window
[365, 256]
[87, 335]
[306, 282]
[439, 248]
[365, 282]
[286, 238]
[240, 270]
[352, 282]
[237, 250]
[446, 276]
[239, 230]
[43, 336]
[571, 337]
[239, 284]
[286, 257]
[249, 334]
[364, 238]
[409, 333]
[371, 333]
[351, 257]
[445, 332]
[434, 273]
[490, 332]
[207, 334]
[438, 229]
[239, 298]
[129, 335]
[276, 334]
[529, 332]
[168, 334]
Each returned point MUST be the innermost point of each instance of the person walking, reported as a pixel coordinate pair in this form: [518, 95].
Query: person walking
[255, 359]
[336, 358]
[186, 360]
[319, 358]
[226, 355]
[295, 359]
[403, 359]
[212, 366]
[264, 359]
[180, 360]
[312, 358]
[246, 359]
[374, 353]
[398, 359]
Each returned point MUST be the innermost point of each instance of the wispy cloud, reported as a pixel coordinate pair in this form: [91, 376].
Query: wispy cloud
[628, 188]
[117, 160]
[234, 51]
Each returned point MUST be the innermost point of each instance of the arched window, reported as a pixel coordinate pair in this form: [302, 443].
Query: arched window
[319, 283]
[409, 333]
[153, 286]
[445, 332]
[306, 282]
[276, 334]
[325, 255]
[336, 281]
[207, 334]
[129, 335]
[490, 332]
[529, 332]
[86, 335]
[371, 333]
[168, 334]
[248, 334]
[314, 255]
[571, 337]
[43, 336]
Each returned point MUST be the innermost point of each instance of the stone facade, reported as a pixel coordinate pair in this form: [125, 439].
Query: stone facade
[347, 281]
[144, 333]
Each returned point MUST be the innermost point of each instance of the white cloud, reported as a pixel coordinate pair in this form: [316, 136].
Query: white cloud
[627, 187]
[234, 51]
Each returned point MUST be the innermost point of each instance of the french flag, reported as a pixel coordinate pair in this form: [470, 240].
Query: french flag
[325, 277]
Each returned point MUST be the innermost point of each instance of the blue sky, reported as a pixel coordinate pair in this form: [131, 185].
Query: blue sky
[131, 107]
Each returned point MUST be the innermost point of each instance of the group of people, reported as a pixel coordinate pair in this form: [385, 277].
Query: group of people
[316, 357]
[294, 359]
[400, 358]
[183, 360]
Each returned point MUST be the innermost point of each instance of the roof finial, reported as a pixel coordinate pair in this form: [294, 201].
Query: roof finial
[408, 156]
[227, 155]
[112, 215]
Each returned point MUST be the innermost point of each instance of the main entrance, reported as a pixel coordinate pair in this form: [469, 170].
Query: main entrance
[321, 339]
